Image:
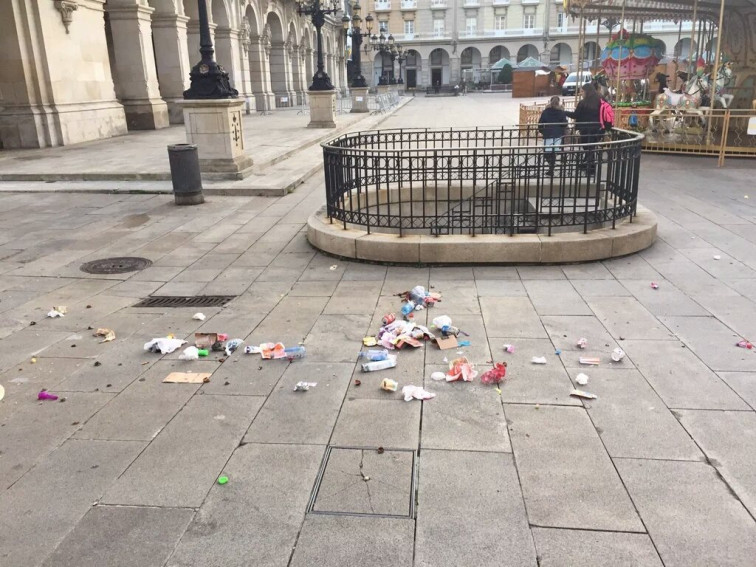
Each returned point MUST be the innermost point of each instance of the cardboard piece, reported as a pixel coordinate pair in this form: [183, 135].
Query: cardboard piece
[445, 343]
[205, 340]
[187, 377]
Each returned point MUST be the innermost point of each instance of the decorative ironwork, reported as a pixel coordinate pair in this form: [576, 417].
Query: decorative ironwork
[66, 9]
[481, 181]
[314, 8]
[209, 80]
[356, 33]
[386, 46]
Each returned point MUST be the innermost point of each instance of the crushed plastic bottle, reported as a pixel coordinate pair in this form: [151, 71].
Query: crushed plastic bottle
[232, 345]
[295, 352]
[374, 354]
[408, 308]
[375, 365]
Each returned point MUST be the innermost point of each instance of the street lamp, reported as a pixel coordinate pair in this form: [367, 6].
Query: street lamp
[386, 46]
[208, 78]
[357, 34]
[320, 81]
[401, 58]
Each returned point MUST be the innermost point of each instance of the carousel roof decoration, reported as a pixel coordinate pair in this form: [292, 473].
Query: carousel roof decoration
[649, 10]
[634, 55]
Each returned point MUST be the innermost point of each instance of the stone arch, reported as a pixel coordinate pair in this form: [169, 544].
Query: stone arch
[274, 33]
[497, 53]
[561, 54]
[591, 53]
[413, 68]
[383, 67]
[527, 50]
[440, 68]
[295, 61]
[470, 58]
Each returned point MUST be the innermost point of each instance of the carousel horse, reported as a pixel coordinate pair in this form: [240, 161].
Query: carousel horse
[724, 78]
[680, 104]
[601, 84]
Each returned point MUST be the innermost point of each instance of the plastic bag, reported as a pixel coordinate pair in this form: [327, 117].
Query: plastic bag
[495, 375]
[190, 353]
[416, 393]
[163, 345]
[461, 369]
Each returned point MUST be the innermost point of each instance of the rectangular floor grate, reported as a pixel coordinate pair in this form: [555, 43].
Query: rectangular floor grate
[188, 301]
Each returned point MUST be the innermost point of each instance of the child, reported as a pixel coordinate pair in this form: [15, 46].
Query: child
[551, 125]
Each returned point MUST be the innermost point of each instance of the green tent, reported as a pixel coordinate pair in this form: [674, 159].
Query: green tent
[501, 63]
[530, 63]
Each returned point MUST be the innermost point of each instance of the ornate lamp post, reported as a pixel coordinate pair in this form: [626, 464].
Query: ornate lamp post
[356, 33]
[208, 79]
[320, 81]
[401, 58]
[384, 46]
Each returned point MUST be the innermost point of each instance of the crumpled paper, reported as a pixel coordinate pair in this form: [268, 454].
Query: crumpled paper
[461, 369]
[163, 345]
[108, 334]
[416, 393]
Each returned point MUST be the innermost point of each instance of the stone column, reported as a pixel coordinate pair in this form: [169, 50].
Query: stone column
[259, 51]
[245, 42]
[302, 54]
[227, 54]
[172, 60]
[322, 109]
[137, 86]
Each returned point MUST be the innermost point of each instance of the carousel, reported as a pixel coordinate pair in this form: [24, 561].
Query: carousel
[702, 101]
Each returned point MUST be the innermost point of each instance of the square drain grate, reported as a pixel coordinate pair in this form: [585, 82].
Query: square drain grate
[188, 301]
[365, 481]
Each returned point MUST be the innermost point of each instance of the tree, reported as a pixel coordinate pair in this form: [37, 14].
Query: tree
[505, 75]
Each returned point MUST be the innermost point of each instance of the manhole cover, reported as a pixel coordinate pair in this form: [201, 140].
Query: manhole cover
[185, 301]
[365, 481]
[115, 265]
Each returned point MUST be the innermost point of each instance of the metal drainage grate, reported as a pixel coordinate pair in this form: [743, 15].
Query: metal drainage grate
[365, 481]
[115, 265]
[190, 301]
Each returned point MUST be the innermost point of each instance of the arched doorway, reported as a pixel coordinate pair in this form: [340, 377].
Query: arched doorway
[591, 53]
[277, 60]
[439, 67]
[561, 54]
[497, 53]
[383, 67]
[469, 59]
[412, 68]
[527, 50]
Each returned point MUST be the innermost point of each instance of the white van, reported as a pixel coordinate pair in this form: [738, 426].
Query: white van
[571, 82]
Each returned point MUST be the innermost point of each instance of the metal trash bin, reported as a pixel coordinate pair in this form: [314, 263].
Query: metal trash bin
[185, 174]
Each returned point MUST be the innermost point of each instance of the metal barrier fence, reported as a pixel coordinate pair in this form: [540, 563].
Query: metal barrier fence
[481, 181]
[718, 132]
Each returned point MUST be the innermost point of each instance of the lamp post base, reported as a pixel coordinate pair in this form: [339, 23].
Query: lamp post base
[360, 99]
[322, 111]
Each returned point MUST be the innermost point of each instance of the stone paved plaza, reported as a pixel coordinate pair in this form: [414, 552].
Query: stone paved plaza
[658, 470]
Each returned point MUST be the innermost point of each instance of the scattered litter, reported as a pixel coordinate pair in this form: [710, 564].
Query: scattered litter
[45, 395]
[581, 379]
[717, 257]
[416, 393]
[388, 318]
[222, 479]
[164, 345]
[304, 386]
[408, 308]
[295, 352]
[464, 343]
[222, 337]
[107, 334]
[389, 362]
[538, 360]
[582, 394]
[498, 390]
[438, 376]
[2, 392]
[558, 351]
[205, 340]
[618, 354]
[199, 317]
[34, 360]
[445, 343]
[389, 385]
[495, 375]
[231, 346]
[442, 321]
[218, 346]
[654, 285]
[369, 341]
[193, 353]
[373, 354]
[62, 309]
[272, 350]
[358, 382]
[380, 450]
[250, 349]
[334, 267]
[589, 361]
[461, 369]
[744, 344]
[509, 348]
[187, 377]
[582, 343]
[54, 313]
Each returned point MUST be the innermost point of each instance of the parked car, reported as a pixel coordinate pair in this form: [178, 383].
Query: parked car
[571, 82]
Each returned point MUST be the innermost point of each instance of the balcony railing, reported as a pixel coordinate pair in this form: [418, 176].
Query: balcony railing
[501, 2]
[472, 3]
[530, 2]
[438, 4]
[409, 5]
[509, 32]
[383, 6]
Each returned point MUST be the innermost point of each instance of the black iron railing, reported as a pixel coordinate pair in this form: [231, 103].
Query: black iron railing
[479, 181]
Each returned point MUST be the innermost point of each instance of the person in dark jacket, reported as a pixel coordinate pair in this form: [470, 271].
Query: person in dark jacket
[551, 125]
[587, 122]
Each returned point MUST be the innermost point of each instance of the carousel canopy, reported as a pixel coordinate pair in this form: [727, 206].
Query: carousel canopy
[502, 62]
[652, 9]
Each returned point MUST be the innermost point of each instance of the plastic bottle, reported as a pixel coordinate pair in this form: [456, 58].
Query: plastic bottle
[442, 321]
[202, 352]
[418, 294]
[408, 308]
[374, 354]
[390, 362]
[295, 352]
[447, 330]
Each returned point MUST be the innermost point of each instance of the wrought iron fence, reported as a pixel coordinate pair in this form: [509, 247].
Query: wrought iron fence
[480, 181]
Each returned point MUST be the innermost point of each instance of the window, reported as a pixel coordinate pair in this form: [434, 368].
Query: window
[438, 28]
[471, 26]
[383, 28]
[528, 21]
[409, 28]
[561, 19]
[500, 23]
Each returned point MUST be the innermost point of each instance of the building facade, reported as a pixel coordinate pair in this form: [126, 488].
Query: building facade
[442, 38]
[78, 70]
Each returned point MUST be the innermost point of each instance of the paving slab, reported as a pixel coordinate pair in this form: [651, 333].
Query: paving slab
[631, 418]
[566, 330]
[625, 317]
[744, 384]
[690, 514]
[555, 297]
[500, 288]
[587, 271]
[464, 500]
[378, 423]
[600, 288]
[336, 338]
[633, 266]
[354, 297]
[679, 377]
[334, 541]
[511, 317]
[128, 536]
[594, 549]
[259, 512]
[409, 369]
[366, 481]
[729, 440]
[495, 273]
[302, 417]
[458, 297]
[713, 342]
[666, 300]
[541, 272]
[37, 428]
[188, 454]
[567, 478]
[478, 352]
[37, 512]
[26, 343]
[24, 381]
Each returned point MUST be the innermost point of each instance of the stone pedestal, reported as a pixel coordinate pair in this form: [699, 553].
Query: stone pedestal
[360, 99]
[216, 127]
[322, 109]
[384, 89]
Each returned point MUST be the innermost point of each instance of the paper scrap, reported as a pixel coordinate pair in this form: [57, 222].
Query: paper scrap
[416, 393]
[582, 394]
[54, 313]
[187, 377]
[589, 361]
[538, 360]
[445, 343]
[581, 379]
[199, 317]
[108, 334]
[304, 386]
